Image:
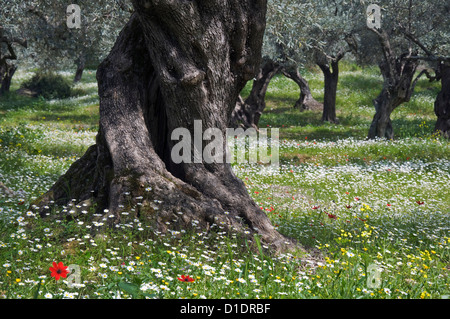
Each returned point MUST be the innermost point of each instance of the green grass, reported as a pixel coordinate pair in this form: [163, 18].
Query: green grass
[375, 212]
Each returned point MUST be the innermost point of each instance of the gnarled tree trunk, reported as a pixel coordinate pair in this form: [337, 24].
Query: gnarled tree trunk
[7, 69]
[247, 113]
[330, 69]
[442, 103]
[6, 74]
[398, 74]
[173, 63]
[331, 78]
[306, 101]
[397, 89]
[81, 63]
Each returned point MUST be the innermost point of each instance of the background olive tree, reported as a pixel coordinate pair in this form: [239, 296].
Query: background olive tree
[51, 44]
[302, 33]
[414, 36]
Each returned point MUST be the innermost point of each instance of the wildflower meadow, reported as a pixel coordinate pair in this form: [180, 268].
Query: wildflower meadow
[372, 215]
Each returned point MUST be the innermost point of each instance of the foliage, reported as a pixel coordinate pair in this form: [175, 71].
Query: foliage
[48, 85]
[299, 32]
[404, 20]
[52, 45]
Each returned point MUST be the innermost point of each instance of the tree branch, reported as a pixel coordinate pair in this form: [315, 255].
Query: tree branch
[39, 14]
[415, 40]
[428, 58]
[427, 74]
[9, 42]
[387, 52]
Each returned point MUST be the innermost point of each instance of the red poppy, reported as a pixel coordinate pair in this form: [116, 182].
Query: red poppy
[419, 202]
[331, 216]
[315, 207]
[186, 278]
[348, 206]
[59, 270]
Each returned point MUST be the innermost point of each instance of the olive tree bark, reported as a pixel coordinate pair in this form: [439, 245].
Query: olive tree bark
[173, 63]
[398, 86]
[247, 113]
[442, 103]
[442, 70]
[6, 74]
[331, 78]
[330, 69]
[81, 63]
[7, 69]
[306, 101]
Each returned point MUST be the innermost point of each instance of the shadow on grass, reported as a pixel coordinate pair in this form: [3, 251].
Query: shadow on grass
[12, 101]
[361, 83]
[288, 116]
[17, 108]
[416, 127]
[309, 123]
[91, 119]
[323, 133]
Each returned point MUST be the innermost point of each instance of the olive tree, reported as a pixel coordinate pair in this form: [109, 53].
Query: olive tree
[329, 39]
[406, 37]
[173, 63]
[280, 55]
[53, 44]
[11, 43]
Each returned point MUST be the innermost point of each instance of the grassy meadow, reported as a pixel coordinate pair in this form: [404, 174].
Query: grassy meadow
[374, 215]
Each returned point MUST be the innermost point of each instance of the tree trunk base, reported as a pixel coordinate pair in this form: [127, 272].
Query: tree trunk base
[128, 174]
[331, 78]
[306, 101]
[308, 104]
[381, 127]
[247, 113]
